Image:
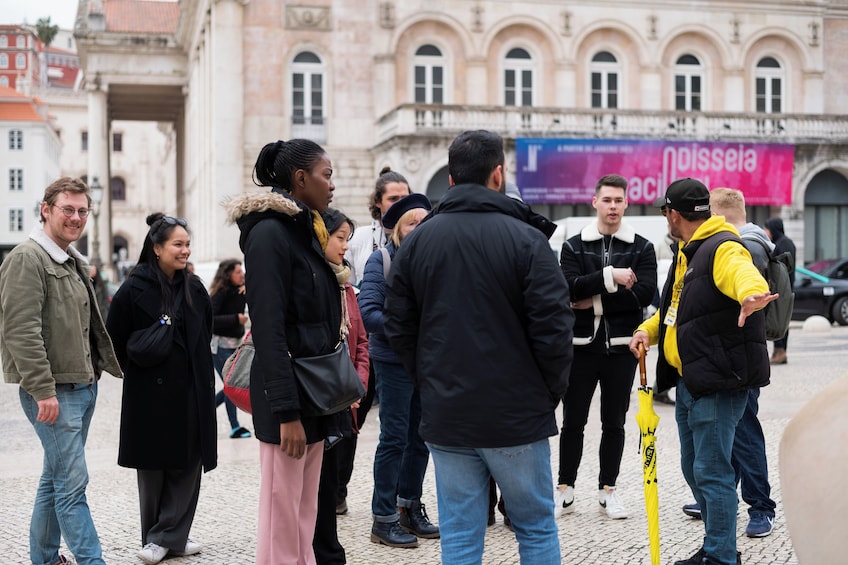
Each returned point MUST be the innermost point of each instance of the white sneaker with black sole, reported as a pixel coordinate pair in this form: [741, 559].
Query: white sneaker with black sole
[563, 500]
[610, 502]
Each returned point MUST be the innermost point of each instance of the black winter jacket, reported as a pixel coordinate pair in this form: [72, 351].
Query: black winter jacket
[227, 304]
[587, 264]
[478, 311]
[294, 306]
[165, 408]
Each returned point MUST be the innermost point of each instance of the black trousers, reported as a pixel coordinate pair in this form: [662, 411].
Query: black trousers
[168, 501]
[615, 373]
[328, 550]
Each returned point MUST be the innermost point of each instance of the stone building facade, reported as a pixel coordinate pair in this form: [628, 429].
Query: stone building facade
[392, 82]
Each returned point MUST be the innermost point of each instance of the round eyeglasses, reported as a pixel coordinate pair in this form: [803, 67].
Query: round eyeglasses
[69, 211]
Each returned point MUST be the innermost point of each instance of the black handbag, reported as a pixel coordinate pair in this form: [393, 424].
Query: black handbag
[327, 383]
[152, 346]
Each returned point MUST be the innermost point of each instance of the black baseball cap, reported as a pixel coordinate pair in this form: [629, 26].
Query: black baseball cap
[687, 195]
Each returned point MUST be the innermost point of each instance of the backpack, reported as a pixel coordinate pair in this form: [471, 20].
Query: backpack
[778, 312]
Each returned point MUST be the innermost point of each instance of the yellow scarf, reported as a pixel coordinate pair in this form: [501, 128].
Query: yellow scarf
[320, 229]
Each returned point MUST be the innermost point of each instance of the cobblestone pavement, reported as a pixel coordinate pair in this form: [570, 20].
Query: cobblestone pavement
[226, 514]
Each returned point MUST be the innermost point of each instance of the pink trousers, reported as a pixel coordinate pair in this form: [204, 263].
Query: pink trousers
[288, 505]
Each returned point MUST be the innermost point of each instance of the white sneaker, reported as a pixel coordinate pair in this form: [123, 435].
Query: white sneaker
[152, 553]
[611, 503]
[191, 548]
[563, 500]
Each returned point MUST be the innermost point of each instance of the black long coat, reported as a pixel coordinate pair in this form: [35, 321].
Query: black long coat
[166, 408]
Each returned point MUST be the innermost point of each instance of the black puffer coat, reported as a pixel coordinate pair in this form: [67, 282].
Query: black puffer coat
[167, 407]
[478, 311]
[294, 303]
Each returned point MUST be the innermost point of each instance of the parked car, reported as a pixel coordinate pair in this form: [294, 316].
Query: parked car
[821, 289]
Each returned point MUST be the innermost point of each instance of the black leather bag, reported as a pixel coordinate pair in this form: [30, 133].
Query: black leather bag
[327, 383]
[151, 346]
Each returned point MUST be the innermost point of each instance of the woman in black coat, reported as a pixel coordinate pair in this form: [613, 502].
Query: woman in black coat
[228, 319]
[295, 311]
[168, 428]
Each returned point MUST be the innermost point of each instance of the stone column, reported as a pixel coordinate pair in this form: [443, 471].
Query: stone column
[98, 164]
[227, 110]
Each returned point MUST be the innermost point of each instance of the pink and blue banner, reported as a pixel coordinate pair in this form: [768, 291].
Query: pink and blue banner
[564, 171]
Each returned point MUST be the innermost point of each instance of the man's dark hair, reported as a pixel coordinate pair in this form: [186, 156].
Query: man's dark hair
[617, 181]
[473, 155]
[695, 216]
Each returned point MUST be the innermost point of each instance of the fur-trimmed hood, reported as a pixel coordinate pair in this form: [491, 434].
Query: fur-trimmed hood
[625, 233]
[240, 206]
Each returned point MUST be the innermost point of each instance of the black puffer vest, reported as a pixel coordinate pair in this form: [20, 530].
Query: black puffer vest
[717, 354]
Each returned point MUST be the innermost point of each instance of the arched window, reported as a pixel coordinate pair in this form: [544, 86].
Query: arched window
[4, 81]
[4, 41]
[4, 61]
[429, 75]
[118, 189]
[518, 78]
[20, 61]
[604, 80]
[308, 72]
[21, 41]
[688, 83]
[769, 86]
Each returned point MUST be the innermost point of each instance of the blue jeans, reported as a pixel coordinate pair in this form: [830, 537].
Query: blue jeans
[400, 461]
[523, 473]
[707, 427]
[749, 459]
[219, 358]
[61, 508]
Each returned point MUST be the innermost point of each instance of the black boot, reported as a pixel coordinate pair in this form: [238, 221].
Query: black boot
[415, 521]
[391, 534]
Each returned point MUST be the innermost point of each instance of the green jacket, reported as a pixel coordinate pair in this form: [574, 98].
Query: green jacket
[47, 311]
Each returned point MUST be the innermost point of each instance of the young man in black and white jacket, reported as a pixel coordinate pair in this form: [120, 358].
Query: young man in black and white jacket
[612, 276]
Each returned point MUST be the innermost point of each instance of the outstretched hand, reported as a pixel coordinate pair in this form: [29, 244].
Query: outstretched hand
[753, 303]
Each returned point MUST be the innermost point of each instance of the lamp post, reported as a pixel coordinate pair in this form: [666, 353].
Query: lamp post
[96, 198]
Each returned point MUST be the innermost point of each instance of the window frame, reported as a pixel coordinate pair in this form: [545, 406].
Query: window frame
[16, 140]
[16, 179]
[689, 72]
[429, 64]
[20, 61]
[16, 220]
[521, 68]
[605, 69]
[309, 71]
[769, 75]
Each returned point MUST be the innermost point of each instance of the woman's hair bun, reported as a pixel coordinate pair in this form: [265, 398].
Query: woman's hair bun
[385, 170]
[154, 217]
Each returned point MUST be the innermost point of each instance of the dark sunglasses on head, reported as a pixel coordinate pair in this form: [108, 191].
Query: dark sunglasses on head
[170, 220]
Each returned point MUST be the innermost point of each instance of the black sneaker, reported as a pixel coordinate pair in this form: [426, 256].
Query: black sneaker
[415, 521]
[391, 534]
[700, 558]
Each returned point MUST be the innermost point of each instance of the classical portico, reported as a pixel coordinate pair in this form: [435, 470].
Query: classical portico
[139, 66]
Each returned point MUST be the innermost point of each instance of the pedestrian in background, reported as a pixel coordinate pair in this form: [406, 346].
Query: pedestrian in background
[168, 427]
[338, 457]
[228, 301]
[712, 347]
[612, 278]
[782, 244]
[400, 461]
[295, 311]
[477, 310]
[390, 187]
[54, 345]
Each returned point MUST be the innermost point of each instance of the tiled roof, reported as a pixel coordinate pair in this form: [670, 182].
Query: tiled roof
[15, 106]
[141, 16]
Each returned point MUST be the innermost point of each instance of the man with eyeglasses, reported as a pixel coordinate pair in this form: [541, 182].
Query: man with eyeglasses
[54, 344]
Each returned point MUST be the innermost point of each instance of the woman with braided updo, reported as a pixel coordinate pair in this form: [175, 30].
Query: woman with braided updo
[295, 311]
